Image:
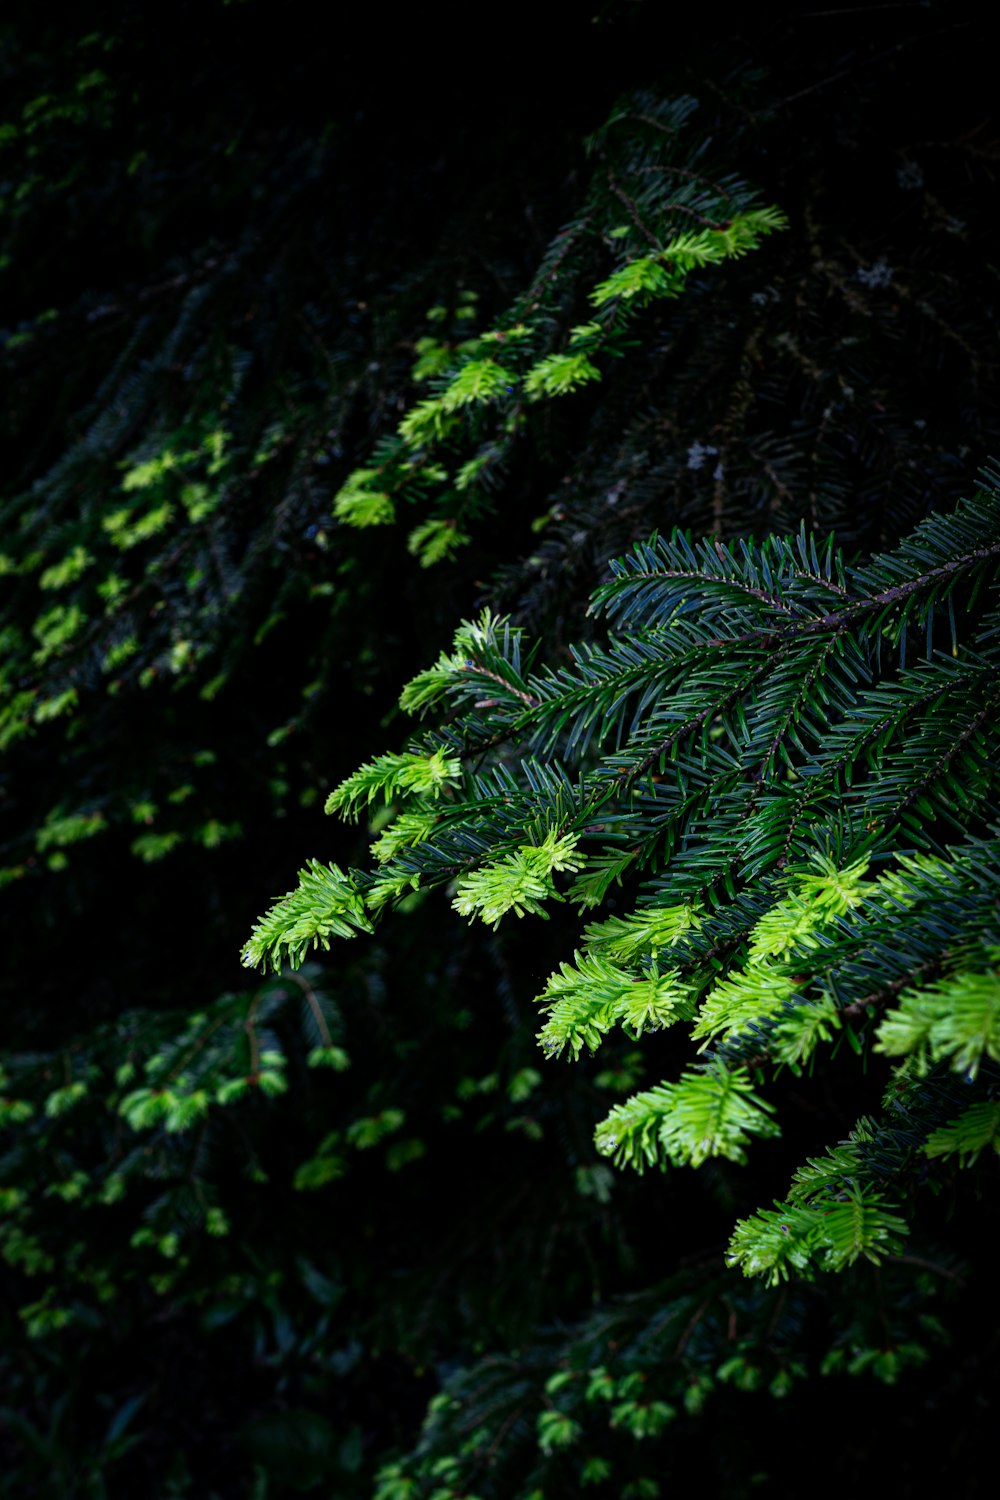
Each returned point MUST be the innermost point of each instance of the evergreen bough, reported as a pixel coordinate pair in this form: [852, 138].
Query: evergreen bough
[775, 777]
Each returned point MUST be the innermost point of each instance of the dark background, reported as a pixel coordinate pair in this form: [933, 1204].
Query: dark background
[344, 170]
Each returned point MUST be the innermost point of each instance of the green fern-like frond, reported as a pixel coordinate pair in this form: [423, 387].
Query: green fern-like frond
[392, 776]
[645, 277]
[478, 381]
[971, 1133]
[757, 992]
[324, 904]
[957, 1020]
[359, 506]
[585, 999]
[795, 1240]
[405, 832]
[645, 931]
[557, 374]
[702, 1115]
[435, 539]
[428, 421]
[520, 882]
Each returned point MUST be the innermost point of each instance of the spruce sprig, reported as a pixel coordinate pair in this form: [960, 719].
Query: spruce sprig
[763, 754]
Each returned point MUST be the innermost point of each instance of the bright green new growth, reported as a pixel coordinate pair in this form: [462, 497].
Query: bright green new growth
[776, 1243]
[831, 1218]
[704, 1114]
[452, 445]
[586, 999]
[324, 904]
[970, 1134]
[957, 1020]
[520, 882]
[761, 753]
[392, 776]
[557, 374]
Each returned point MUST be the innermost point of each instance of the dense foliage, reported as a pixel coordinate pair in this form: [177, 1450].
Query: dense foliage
[639, 424]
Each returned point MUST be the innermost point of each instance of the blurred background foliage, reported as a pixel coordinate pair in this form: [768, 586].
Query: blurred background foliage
[250, 1232]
